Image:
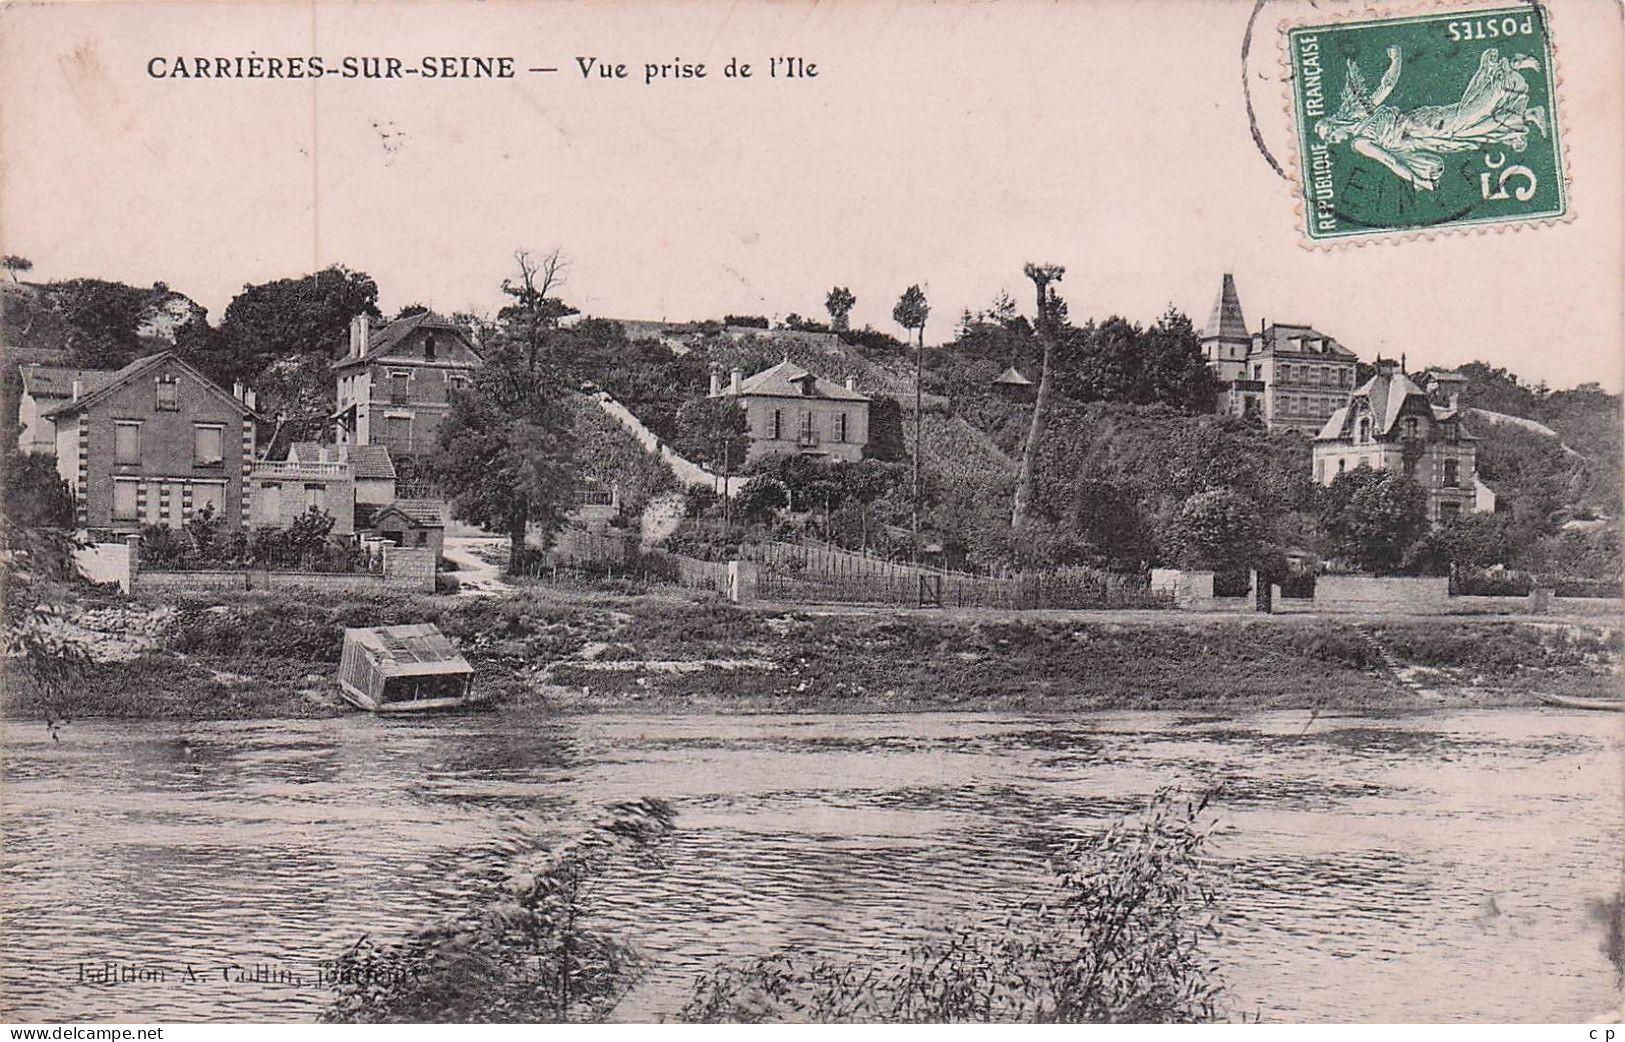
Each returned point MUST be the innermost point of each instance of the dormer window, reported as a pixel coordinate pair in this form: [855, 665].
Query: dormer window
[1365, 430]
[1411, 428]
[428, 347]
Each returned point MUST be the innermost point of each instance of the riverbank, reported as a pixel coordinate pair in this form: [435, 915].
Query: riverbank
[259, 655]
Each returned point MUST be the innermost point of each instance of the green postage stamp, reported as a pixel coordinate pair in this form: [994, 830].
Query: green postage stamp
[1431, 121]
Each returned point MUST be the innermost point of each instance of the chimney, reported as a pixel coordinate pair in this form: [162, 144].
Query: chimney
[851, 383]
[736, 380]
[237, 390]
[251, 398]
[359, 328]
[716, 383]
[78, 389]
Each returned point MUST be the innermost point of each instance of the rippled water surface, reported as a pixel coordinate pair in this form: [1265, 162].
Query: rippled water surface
[1418, 867]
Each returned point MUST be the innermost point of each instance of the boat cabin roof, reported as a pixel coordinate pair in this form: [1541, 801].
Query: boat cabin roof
[408, 651]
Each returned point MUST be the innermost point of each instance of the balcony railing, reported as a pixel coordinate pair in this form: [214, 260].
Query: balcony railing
[299, 469]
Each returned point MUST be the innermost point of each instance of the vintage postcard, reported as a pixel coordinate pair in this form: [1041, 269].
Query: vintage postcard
[692, 511]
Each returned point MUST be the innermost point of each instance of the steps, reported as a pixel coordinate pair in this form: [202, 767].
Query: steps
[1402, 675]
[687, 472]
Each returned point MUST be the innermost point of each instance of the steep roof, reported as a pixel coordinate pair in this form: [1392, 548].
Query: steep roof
[138, 368]
[1334, 424]
[381, 341]
[1225, 322]
[788, 380]
[425, 513]
[371, 461]
[1386, 394]
[1289, 338]
[49, 381]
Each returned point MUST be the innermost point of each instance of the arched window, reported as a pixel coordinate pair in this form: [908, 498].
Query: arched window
[1365, 430]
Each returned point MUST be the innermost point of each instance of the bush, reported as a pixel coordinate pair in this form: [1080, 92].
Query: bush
[523, 954]
[1586, 588]
[1490, 584]
[1118, 941]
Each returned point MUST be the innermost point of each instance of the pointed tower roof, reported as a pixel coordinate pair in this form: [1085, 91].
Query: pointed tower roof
[1226, 322]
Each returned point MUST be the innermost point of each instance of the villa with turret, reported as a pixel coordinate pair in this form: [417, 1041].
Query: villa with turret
[1292, 377]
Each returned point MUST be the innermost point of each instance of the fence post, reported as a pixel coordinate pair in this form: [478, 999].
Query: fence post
[132, 550]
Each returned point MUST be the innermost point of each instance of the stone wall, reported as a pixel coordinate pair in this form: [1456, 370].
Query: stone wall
[260, 579]
[105, 563]
[1407, 595]
[409, 567]
[404, 569]
[1192, 590]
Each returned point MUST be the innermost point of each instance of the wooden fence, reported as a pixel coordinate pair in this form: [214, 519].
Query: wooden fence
[1070, 588]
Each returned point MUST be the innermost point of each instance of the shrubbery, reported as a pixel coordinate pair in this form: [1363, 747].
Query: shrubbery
[1118, 938]
[306, 544]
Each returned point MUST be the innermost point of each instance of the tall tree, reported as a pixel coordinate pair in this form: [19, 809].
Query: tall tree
[536, 308]
[713, 432]
[506, 446]
[840, 303]
[1043, 276]
[281, 336]
[13, 264]
[284, 319]
[910, 312]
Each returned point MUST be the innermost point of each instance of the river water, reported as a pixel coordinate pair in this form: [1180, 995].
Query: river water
[1420, 867]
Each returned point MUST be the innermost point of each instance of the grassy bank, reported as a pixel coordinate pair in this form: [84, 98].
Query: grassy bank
[237, 656]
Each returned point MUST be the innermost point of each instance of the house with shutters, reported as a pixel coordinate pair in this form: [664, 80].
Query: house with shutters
[152, 443]
[395, 382]
[790, 410]
[1390, 423]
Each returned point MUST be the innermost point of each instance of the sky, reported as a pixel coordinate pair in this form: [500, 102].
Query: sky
[943, 144]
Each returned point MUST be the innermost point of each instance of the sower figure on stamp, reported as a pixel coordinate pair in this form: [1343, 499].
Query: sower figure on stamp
[1493, 110]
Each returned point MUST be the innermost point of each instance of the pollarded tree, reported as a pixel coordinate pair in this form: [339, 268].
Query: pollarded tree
[910, 312]
[840, 303]
[1048, 318]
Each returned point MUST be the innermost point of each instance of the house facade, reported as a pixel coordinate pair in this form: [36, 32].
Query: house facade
[154, 443]
[790, 410]
[1390, 423]
[395, 382]
[1291, 377]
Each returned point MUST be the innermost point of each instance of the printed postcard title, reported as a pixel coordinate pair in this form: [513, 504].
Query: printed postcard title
[590, 68]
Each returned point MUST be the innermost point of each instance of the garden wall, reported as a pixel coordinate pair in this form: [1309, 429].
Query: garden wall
[1192, 590]
[1405, 595]
[404, 568]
